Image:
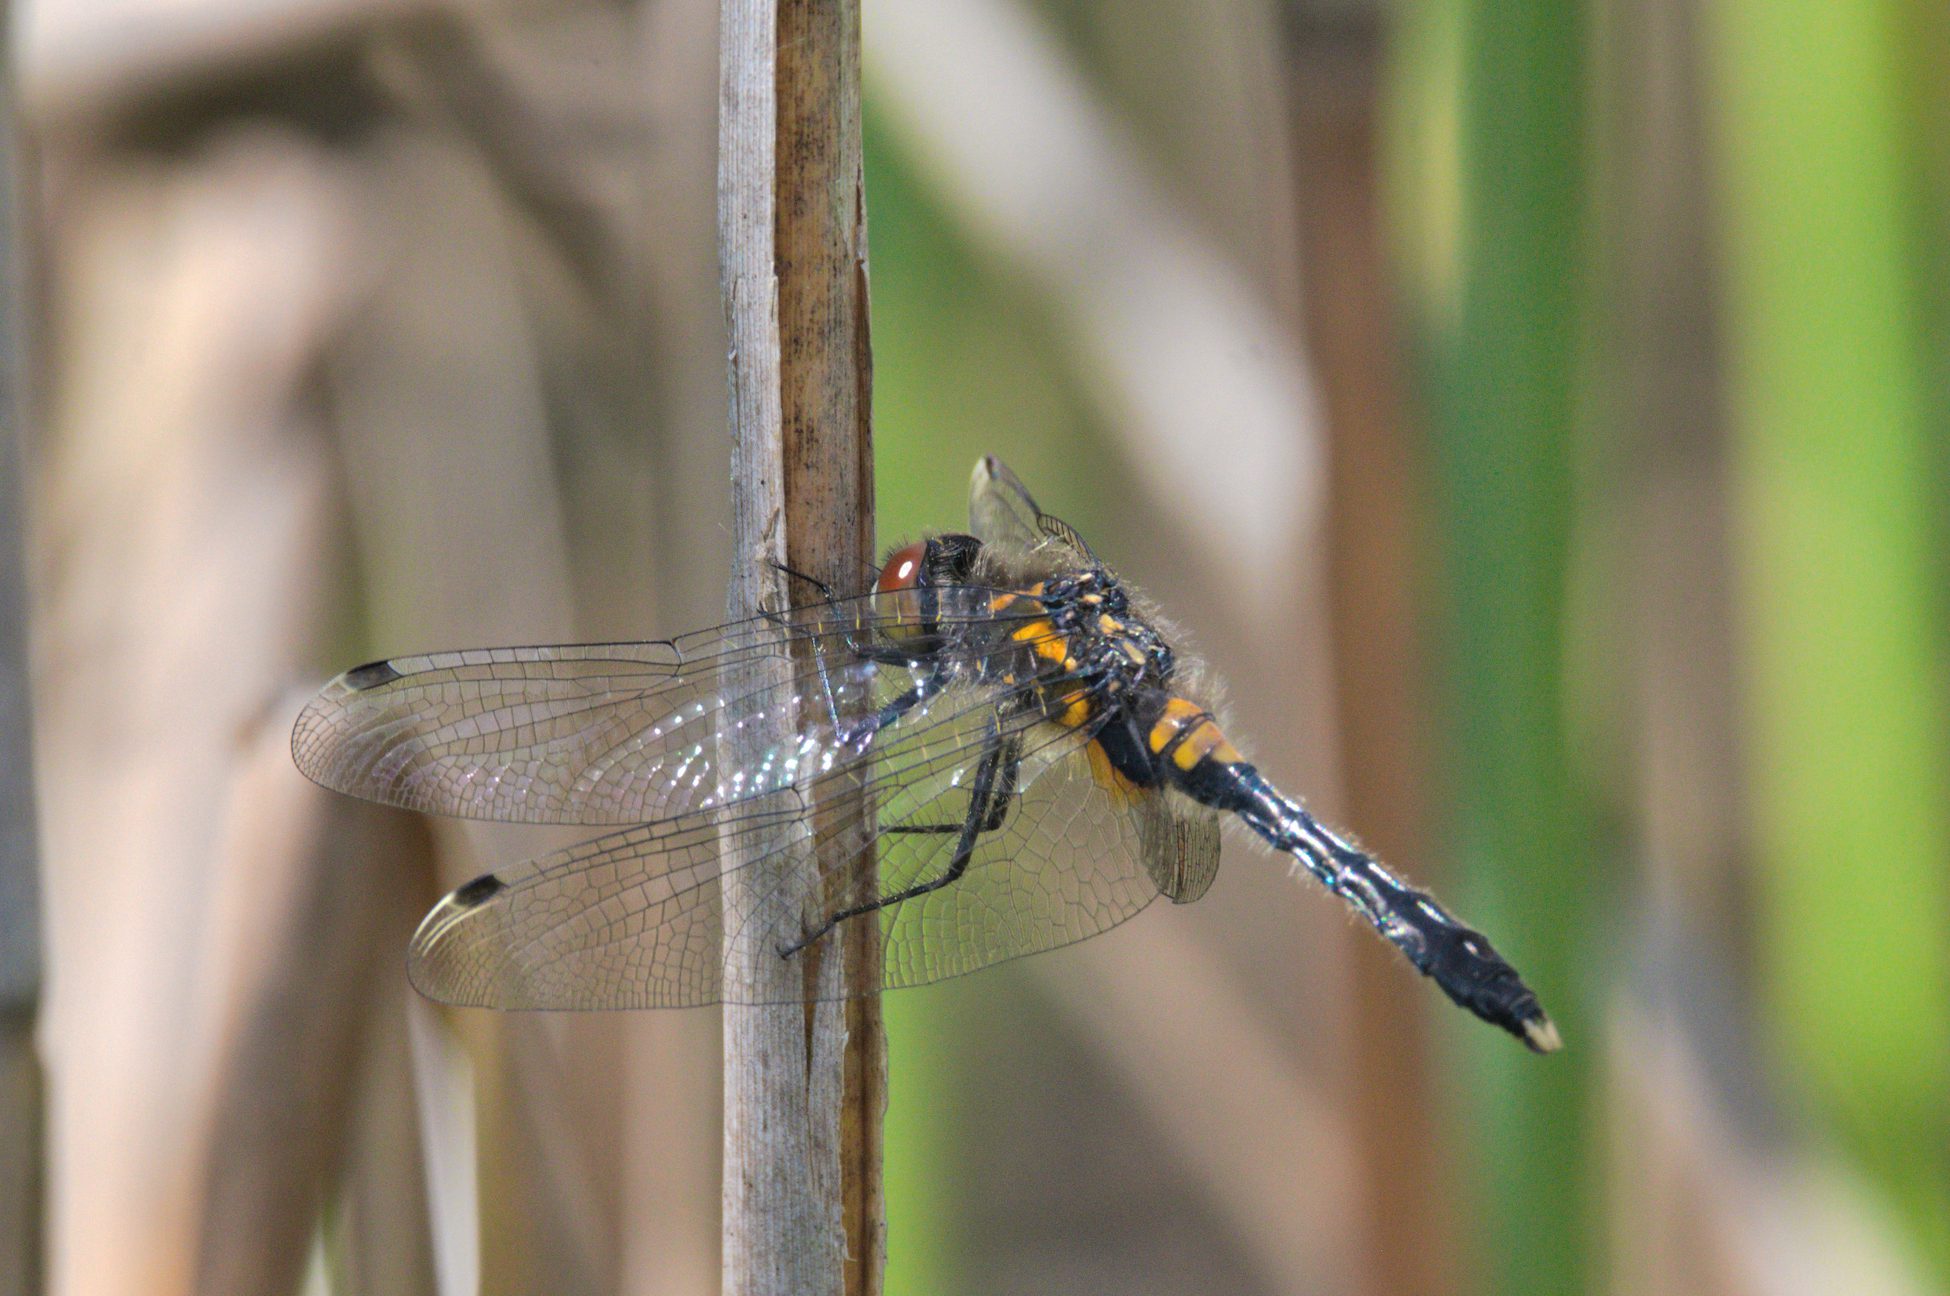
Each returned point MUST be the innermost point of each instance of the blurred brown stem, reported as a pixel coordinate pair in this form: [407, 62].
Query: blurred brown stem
[1336, 92]
[805, 1087]
[21, 1108]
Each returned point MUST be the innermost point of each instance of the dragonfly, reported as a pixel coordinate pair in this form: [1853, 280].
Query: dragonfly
[996, 750]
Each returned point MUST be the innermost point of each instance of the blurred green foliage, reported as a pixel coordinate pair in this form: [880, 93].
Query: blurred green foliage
[1839, 496]
[1504, 398]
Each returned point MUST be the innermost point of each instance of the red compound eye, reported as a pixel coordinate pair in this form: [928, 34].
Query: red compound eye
[903, 569]
[902, 600]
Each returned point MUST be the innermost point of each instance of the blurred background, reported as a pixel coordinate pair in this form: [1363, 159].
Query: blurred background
[1537, 412]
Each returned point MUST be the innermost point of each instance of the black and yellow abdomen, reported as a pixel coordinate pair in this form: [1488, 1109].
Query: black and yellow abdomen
[1158, 738]
[1185, 735]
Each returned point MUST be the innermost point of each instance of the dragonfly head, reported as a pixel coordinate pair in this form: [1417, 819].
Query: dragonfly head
[914, 573]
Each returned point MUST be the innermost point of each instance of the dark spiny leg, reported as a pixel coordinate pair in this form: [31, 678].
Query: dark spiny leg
[826, 594]
[825, 590]
[998, 812]
[858, 733]
[777, 616]
[984, 798]
[886, 655]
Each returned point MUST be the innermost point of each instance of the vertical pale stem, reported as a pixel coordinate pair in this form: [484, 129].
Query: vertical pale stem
[804, 1086]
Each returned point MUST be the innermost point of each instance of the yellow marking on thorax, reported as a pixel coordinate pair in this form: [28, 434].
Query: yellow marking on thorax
[1044, 640]
[1076, 709]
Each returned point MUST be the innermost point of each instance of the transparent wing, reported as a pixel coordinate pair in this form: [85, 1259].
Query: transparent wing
[629, 732]
[1000, 508]
[1179, 842]
[638, 919]
[1069, 862]
[1002, 511]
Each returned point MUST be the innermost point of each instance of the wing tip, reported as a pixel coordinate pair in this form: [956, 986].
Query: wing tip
[306, 751]
[443, 958]
[371, 675]
[478, 892]
[991, 471]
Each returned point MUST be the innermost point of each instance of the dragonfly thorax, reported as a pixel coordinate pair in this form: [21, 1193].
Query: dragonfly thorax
[1091, 615]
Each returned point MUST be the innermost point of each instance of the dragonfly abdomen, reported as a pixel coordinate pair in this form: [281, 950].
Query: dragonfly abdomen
[1192, 752]
[1157, 739]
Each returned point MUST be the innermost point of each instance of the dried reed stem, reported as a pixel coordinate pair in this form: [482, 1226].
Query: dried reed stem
[804, 1086]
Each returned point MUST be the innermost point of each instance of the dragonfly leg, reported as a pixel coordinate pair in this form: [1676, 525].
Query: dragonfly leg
[825, 590]
[884, 654]
[858, 733]
[998, 809]
[989, 798]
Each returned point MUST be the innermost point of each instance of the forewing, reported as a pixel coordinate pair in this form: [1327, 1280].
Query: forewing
[637, 919]
[628, 732]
